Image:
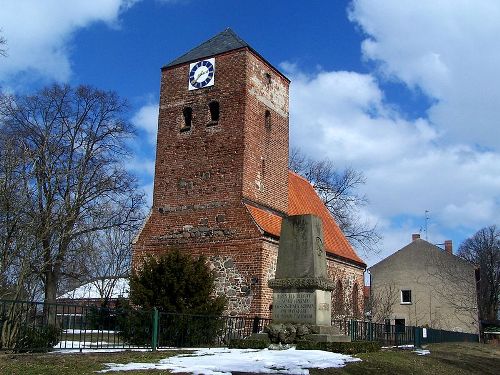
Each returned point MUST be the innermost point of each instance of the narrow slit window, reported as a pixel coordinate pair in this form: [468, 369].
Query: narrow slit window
[268, 78]
[188, 118]
[355, 301]
[267, 120]
[214, 111]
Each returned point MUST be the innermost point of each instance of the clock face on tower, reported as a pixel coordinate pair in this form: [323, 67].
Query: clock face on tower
[201, 74]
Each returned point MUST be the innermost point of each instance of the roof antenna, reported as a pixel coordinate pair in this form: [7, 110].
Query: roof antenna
[426, 221]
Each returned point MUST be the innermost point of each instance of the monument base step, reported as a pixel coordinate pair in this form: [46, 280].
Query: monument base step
[324, 330]
[259, 337]
[319, 337]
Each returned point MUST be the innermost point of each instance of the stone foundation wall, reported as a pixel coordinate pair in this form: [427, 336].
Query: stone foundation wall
[230, 282]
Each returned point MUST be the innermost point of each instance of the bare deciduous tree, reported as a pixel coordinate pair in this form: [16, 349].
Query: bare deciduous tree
[339, 191]
[483, 251]
[17, 247]
[451, 280]
[382, 301]
[73, 142]
[102, 259]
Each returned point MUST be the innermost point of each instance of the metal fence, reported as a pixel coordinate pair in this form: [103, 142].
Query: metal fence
[36, 326]
[396, 335]
[33, 326]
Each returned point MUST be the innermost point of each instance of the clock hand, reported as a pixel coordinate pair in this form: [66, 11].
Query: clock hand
[198, 76]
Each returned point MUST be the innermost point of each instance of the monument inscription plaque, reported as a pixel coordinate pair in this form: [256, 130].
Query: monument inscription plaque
[294, 306]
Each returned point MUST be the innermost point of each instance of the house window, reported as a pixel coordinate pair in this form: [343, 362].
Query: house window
[214, 111]
[188, 118]
[406, 296]
[267, 121]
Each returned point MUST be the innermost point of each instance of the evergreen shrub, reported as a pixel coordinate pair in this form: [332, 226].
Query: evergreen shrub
[182, 288]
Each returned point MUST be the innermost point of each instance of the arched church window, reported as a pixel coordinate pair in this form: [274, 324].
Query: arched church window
[214, 111]
[339, 298]
[187, 112]
[355, 300]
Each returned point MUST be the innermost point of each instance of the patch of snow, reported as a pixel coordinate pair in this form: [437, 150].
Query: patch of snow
[399, 347]
[69, 344]
[422, 351]
[223, 361]
[88, 331]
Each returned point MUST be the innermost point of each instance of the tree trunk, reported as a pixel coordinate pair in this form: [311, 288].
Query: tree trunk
[50, 297]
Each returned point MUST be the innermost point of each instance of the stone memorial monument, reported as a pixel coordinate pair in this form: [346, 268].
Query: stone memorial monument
[301, 288]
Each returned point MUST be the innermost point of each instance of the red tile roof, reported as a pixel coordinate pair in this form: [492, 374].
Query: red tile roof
[303, 199]
[366, 291]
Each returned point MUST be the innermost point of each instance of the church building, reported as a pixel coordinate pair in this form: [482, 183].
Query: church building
[222, 184]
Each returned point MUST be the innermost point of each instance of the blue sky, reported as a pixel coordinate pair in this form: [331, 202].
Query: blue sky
[405, 91]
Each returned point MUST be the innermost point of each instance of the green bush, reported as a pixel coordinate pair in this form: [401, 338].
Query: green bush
[176, 283]
[248, 344]
[37, 339]
[189, 330]
[341, 347]
[182, 288]
[134, 325]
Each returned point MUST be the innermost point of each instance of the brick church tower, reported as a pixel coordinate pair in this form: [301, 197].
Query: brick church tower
[221, 181]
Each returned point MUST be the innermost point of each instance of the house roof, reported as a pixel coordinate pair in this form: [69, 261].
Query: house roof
[419, 246]
[303, 199]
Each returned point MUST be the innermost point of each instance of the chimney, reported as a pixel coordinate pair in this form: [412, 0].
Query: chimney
[448, 247]
[415, 236]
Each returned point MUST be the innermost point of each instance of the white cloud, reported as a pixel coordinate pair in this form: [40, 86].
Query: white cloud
[146, 119]
[38, 33]
[409, 165]
[449, 49]
[143, 164]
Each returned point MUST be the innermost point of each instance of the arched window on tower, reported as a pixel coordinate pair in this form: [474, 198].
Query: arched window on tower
[187, 113]
[355, 301]
[267, 120]
[213, 106]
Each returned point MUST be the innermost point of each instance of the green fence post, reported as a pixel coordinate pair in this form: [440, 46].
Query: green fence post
[154, 338]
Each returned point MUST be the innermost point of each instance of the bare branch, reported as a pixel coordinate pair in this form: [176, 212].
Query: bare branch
[72, 170]
[483, 251]
[339, 190]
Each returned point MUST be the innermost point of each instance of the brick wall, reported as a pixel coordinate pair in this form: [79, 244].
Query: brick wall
[342, 299]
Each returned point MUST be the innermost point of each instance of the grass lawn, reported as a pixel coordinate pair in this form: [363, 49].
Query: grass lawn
[453, 358]
[450, 358]
[76, 364]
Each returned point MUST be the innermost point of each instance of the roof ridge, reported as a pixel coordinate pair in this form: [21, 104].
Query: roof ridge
[299, 176]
